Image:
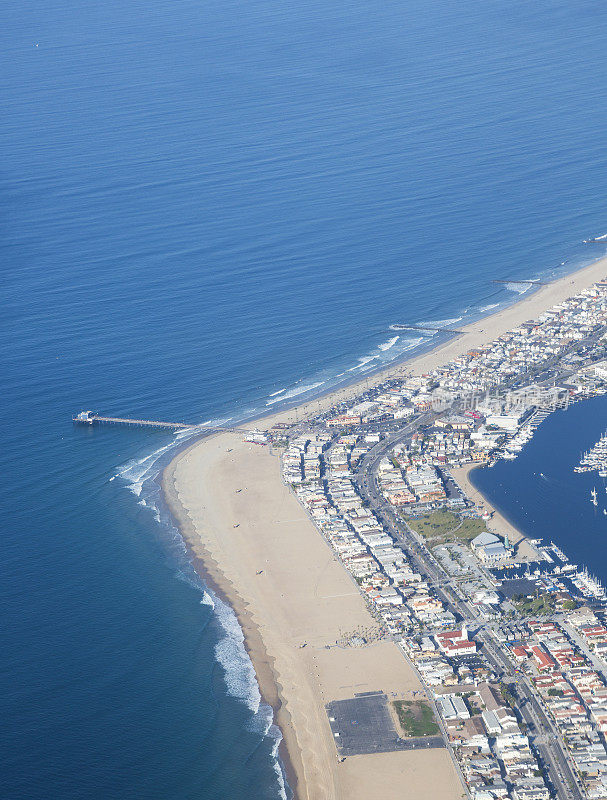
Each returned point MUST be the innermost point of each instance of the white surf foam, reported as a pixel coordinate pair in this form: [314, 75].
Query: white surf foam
[137, 471]
[361, 363]
[482, 309]
[241, 681]
[276, 733]
[207, 600]
[280, 391]
[389, 344]
[295, 392]
[215, 423]
[263, 724]
[411, 343]
[519, 288]
[239, 674]
[230, 652]
[440, 323]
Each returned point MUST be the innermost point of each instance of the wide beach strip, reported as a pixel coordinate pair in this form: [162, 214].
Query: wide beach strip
[287, 587]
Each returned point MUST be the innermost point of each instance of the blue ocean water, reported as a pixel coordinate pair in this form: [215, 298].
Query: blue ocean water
[205, 208]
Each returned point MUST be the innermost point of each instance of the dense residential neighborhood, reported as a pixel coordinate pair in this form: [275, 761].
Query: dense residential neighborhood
[516, 670]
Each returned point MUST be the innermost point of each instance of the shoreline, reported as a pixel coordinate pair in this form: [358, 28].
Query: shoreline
[292, 617]
[210, 567]
[475, 334]
[499, 523]
[211, 574]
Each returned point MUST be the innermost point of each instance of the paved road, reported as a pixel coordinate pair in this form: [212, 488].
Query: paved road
[541, 729]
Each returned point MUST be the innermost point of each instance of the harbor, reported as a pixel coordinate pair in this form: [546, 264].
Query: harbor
[595, 459]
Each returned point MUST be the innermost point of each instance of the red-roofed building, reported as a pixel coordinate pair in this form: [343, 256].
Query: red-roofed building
[455, 643]
[519, 652]
[543, 661]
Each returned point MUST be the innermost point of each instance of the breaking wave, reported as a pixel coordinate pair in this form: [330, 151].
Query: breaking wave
[295, 392]
[230, 652]
[483, 309]
[361, 363]
[440, 323]
[139, 470]
[387, 345]
[411, 343]
[207, 600]
[519, 288]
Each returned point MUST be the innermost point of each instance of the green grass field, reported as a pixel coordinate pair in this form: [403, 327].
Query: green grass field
[443, 526]
[416, 718]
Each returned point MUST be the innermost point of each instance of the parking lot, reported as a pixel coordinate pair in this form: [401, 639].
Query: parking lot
[363, 724]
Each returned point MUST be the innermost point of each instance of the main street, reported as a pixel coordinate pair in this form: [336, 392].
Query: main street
[541, 730]
[554, 758]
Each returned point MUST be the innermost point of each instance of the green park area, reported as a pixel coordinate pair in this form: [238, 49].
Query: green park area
[416, 718]
[541, 604]
[443, 526]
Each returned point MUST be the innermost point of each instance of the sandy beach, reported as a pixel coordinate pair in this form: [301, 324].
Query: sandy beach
[255, 542]
[288, 589]
[498, 523]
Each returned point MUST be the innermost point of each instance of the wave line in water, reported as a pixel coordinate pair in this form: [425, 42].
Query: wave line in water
[361, 363]
[389, 344]
[295, 392]
[230, 652]
[440, 323]
[519, 288]
[136, 471]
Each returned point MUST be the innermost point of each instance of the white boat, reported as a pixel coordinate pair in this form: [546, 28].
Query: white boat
[593, 495]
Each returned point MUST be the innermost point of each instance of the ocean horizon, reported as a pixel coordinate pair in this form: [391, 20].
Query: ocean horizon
[211, 212]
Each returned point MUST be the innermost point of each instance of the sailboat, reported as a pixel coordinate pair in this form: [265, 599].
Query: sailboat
[593, 495]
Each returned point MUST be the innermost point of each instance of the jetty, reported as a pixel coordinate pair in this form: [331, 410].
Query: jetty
[517, 280]
[402, 326]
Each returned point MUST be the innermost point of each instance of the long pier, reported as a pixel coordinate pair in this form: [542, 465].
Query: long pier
[91, 418]
[94, 419]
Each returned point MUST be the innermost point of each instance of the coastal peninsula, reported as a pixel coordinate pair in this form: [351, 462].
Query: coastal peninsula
[278, 531]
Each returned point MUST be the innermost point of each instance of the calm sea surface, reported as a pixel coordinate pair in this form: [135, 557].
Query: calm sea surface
[211, 207]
